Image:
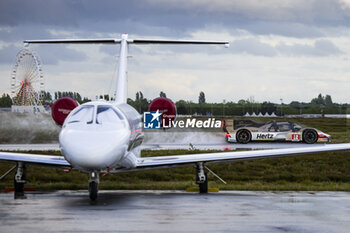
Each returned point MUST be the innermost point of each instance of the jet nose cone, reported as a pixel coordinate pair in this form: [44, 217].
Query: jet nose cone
[93, 149]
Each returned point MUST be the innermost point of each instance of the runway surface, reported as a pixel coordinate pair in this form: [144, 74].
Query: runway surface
[170, 146]
[161, 211]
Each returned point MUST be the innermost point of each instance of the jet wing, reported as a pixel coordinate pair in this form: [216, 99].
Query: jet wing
[167, 146]
[46, 160]
[148, 163]
[185, 160]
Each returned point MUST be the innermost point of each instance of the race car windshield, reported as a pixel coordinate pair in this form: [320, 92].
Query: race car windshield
[284, 126]
[270, 127]
[297, 127]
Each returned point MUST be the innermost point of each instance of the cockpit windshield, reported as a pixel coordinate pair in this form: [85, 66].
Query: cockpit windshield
[83, 115]
[107, 114]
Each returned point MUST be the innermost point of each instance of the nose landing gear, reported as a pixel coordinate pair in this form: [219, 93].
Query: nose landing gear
[93, 185]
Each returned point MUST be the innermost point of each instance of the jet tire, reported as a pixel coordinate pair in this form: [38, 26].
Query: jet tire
[203, 187]
[93, 190]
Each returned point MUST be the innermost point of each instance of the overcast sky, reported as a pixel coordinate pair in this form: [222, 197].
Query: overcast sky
[280, 49]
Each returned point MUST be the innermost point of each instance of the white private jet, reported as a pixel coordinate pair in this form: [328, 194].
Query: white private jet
[104, 137]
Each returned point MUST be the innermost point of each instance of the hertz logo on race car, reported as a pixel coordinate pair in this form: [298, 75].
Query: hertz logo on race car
[263, 136]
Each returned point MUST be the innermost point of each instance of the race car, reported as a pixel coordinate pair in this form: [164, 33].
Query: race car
[245, 131]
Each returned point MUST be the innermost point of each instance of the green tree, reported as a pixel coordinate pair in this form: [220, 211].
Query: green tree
[295, 104]
[46, 97]
[140, 103]
[5, 101]
[84, 100]
[74, 95]
[328, 101]
[105, 97]
[318, 101]
[201, 98]
[181, 107]
[267, 107]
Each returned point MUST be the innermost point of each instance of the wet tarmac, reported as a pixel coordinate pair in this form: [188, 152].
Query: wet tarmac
[162, 211]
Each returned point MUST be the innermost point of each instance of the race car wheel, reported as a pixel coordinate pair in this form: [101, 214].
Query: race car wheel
[243, 136]
[310, 136]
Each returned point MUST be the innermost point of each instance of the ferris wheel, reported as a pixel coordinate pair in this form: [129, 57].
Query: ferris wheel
[27, 80]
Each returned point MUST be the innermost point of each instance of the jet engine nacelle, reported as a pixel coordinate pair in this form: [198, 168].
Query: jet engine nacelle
[166, 107]
[61, 109]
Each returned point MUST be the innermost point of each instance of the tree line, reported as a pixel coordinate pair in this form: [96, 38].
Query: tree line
[318, 105]
[46, 97]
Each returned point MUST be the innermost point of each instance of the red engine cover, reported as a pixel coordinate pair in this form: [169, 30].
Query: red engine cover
[166, 107]
[61, 108]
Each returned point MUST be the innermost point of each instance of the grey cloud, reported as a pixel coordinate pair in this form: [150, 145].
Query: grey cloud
[34, 19]
[23, 32]
[288, 29]
[109, 49]
[15, 12]
[173, 18]
[254, 47]
[51, 55]
[319, 48]
[251, 46]
[8, 54]
[67, 12]
[325, 48]
[268, 10]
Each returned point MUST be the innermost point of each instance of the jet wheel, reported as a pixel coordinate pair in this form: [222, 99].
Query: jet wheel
[243, 136]
[93, 190]
[19, 188]
[310, 136]
[19, 180]
[203, 187]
